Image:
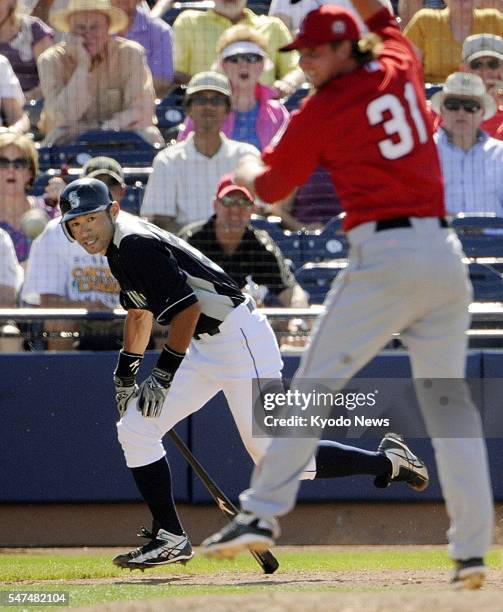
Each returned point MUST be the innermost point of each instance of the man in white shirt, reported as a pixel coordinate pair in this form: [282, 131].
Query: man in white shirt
[185, 176]
[472, 161]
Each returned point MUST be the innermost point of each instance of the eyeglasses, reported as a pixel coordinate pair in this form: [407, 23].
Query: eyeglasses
[18, 163]
[493, 64]
[228, 201]
[250, 58]
[213, 101]
[469, 106]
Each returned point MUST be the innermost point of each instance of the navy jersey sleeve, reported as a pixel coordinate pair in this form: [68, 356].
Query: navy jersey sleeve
[152, 271]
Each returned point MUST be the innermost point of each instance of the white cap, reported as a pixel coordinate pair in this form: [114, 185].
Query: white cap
[242, 46]
[482, 45]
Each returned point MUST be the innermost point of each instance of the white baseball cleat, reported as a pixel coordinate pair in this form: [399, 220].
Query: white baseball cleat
[246, 532]
[164, 548]
[406, 467]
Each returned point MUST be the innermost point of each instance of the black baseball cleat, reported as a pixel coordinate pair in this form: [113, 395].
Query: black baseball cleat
[245, 532]
[469, 574]
[164, 548]
[406, 467]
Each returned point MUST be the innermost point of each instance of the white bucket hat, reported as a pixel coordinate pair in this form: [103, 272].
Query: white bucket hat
[465, 85]
[61, 19]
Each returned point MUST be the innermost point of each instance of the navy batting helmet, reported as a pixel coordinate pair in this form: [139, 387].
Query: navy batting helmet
[81, 197]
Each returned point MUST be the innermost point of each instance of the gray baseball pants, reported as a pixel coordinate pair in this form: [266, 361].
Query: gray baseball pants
[412, 281]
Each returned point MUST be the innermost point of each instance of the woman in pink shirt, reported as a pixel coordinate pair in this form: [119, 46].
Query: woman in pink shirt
[255, 116]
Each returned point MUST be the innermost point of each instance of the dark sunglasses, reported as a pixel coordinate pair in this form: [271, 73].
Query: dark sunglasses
[228, 201]
[493, 64]
[18, 163]
[250, 58]
[469, 106]
[213, 101]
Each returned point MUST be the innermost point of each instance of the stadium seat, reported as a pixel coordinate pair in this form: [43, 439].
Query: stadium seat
[260, 7]
[132, 200]
[127, 148]
[316, 278]
[272, 225]
[329, 243]
[487, 283]
[292, 246]
[480, 235]
[169, 111]
[293, 101]
[430, 89]
[177, 7]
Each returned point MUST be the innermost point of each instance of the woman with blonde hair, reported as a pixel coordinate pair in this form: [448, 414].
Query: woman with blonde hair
[255, 116]
[21, 215]
[22, 40]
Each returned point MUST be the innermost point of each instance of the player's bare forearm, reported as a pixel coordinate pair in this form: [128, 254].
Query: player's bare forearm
[367, 8]
[137, 330]
[248, 168]
[182, 328]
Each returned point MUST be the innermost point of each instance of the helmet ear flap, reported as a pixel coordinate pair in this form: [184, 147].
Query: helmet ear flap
[67, 232]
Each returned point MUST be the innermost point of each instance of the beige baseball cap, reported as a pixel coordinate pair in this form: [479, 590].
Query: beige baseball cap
[60, 19]
[209, 81]
[101, 165]
[465, 85]
[482, 45]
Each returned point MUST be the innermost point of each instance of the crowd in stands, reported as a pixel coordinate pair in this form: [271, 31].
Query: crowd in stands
[70, 68]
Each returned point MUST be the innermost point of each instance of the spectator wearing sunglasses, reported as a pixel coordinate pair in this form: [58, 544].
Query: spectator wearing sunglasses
[483, 55]
[184, 176]
[18, 169]
[472, 161]
[196, 34]
[248, 255]
[255, 116]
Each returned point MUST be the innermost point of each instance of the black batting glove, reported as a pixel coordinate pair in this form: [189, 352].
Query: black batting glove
[153, 391]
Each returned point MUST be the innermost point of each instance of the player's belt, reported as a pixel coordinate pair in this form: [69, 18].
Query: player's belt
[397, 222]
[249, 303]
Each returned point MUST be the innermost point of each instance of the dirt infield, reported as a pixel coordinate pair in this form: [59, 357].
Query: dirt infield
[409, 591]
[318, 602]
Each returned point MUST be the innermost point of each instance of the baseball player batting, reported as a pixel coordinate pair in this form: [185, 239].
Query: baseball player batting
[217, 341]
[367, 124]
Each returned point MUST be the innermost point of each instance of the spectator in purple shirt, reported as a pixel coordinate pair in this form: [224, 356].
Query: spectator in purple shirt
[22, 40]
[156, 37]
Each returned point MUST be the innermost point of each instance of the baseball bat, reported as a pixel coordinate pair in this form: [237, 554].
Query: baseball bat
[266, 560]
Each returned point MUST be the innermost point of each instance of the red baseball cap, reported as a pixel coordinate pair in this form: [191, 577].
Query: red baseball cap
[227, 185]
[326, 24]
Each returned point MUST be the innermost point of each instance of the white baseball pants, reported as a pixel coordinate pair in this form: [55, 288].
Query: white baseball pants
[245, 349]
[408, 280]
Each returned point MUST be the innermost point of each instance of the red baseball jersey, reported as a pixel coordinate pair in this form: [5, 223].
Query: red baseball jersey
[371, 131]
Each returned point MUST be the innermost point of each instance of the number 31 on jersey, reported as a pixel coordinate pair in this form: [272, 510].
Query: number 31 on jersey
[398, 124]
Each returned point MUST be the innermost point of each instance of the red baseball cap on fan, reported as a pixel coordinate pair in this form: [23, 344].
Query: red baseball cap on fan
[326, 24]
[227, 186]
